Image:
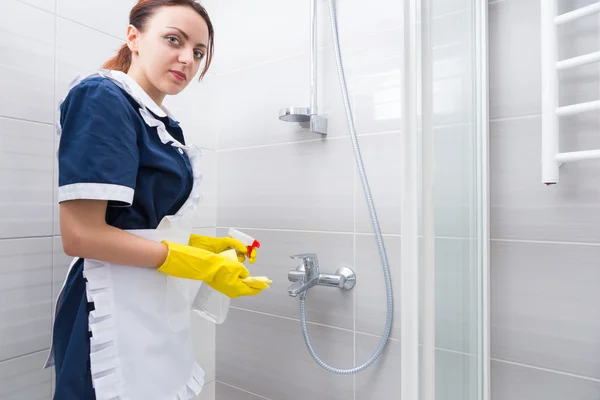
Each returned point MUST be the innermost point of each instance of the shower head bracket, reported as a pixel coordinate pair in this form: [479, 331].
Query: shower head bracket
[306, 117]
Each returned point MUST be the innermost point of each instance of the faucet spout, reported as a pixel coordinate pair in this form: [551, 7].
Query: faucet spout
[299, 287]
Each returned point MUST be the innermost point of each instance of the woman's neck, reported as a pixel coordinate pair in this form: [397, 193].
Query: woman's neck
[145, 84]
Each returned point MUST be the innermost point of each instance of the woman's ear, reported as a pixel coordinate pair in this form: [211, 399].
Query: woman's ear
[133, 38]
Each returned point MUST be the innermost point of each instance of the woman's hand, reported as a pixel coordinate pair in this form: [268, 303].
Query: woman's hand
[218, 245]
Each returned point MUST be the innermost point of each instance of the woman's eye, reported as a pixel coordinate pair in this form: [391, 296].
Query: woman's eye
[198, 55]
[173, 40]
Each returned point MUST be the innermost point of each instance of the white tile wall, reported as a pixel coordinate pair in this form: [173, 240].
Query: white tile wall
[245, 31]
[75, 55]
[206, 216]
[26, 164]
[192, 106]
[545, 238]
[27, 70]
[108, 16]
[22, 378]
[308, 186]
[46, 5]
[25, 290]
[41, 53]
[254, 358]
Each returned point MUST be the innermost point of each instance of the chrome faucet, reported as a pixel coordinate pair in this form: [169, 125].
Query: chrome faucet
[307, 275]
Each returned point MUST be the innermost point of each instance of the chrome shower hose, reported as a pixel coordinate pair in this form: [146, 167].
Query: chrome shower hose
[372, 212]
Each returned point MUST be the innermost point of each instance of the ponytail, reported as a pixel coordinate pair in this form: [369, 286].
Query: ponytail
[120, 62]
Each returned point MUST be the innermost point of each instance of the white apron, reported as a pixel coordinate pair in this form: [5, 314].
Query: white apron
[141, 345]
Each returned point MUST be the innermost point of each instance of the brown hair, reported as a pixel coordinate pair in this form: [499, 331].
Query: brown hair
[138, 17]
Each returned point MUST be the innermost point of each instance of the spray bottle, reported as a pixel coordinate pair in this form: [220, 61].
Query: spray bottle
[211, 304]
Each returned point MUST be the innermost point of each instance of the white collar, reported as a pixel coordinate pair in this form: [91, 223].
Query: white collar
[138, 93]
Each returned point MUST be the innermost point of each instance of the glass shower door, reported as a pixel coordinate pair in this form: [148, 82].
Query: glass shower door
[445, 210]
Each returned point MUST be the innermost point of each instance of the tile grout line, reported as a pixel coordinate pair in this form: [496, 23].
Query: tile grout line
[33, 353]
[36, 7]
[26, 120]
[89, 27]
[312, 323]
[55, 14]
[373, 335]
[276, 144]
[398, 235]
[242, 390]
[544, 242]
[553, 371]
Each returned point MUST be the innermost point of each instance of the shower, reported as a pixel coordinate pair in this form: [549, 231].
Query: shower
[307, 275]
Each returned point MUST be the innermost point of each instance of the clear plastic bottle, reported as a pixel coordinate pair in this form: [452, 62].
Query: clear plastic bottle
[209, 303]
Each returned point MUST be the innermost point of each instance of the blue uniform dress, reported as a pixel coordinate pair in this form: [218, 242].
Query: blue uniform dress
[108, 152]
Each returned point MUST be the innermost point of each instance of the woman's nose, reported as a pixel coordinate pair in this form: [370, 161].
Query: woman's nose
[186, 57]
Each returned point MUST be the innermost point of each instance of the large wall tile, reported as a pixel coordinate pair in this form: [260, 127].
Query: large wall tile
[26, 175]
[206, 215]
[266, 355]
[108, 16]
[515, 83]
[382, 378]
[374, 79]
[518, 382]
[203, 332]
[25, 295]
[358, 26]
[522, 207]
[194, 109]
[27, 34]
[382, 165]
[251, 33]
[80, 50]
[544, 310]
[371, 299]
[328, 306]
[249, 101]
[24, 379]
[305, 185]
[208, 392]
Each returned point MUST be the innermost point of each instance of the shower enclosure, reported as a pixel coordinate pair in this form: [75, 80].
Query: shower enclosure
[425, 109]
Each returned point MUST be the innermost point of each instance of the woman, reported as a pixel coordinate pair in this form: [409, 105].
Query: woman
[128, 189]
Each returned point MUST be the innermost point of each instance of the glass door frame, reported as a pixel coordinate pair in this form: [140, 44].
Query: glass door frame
[418, 378]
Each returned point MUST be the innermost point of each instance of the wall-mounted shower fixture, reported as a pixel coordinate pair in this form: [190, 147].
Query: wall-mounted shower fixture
[304, 115]
[307, 275]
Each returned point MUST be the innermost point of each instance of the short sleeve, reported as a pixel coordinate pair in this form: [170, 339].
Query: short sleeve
[98, 156]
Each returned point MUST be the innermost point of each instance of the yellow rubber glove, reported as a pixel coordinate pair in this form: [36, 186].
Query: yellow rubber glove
[220, 273]
[257, 282]
[218, 245]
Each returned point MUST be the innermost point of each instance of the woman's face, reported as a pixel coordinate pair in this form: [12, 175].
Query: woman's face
[168, 54]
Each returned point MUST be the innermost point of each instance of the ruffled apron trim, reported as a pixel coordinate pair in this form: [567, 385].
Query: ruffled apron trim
[104, 358]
